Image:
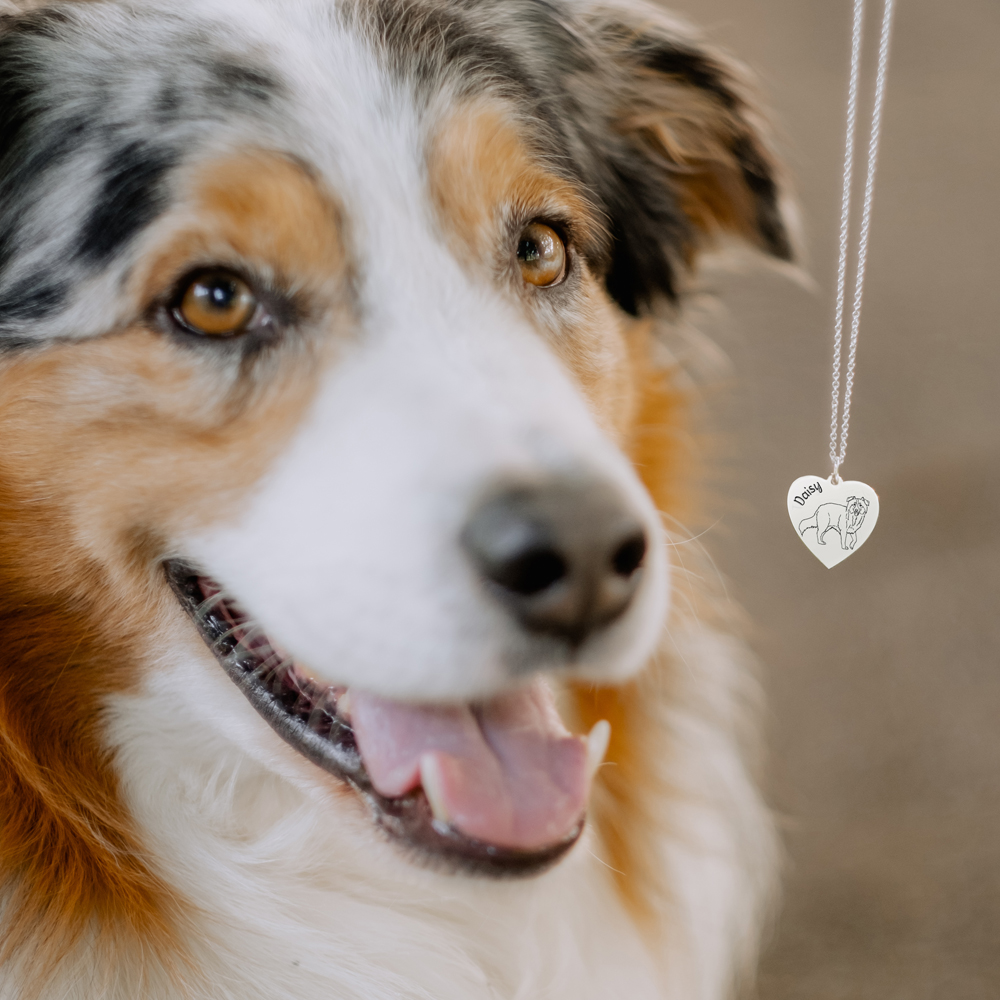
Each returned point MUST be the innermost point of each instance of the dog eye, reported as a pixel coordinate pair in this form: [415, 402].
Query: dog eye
[216, 304]
[541, 254]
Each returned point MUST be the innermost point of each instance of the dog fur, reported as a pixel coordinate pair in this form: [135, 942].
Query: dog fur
[366, 162]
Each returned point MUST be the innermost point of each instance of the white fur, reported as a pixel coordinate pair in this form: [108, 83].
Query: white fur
[297, 897]
[286, 869]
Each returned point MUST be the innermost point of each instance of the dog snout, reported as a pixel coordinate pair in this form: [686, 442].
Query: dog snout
[564, 557]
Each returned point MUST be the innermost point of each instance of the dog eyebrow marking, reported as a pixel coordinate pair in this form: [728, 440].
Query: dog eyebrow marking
[265, 209]
[132, 196]
[481, 170]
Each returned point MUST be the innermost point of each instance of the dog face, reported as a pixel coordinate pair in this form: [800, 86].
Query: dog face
[857, 507]
[318, 321]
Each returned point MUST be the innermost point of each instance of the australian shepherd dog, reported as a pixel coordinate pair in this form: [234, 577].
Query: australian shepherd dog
[341, 458]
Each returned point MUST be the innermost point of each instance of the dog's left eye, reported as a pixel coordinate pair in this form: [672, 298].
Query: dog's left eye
[216, 304]
[541, 254]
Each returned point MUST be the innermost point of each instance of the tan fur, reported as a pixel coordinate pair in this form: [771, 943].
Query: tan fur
[481, 171]
[65, 838]
[627, 800]
[111, 445]
[256, 208]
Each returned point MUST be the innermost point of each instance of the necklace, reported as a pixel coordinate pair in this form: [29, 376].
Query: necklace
[834, 517]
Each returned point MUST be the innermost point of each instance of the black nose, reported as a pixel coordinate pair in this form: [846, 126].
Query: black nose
[564, 557]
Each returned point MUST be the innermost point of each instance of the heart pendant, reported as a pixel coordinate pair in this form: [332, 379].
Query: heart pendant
[834, 520]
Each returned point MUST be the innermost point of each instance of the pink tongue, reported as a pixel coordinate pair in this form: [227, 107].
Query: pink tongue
[506, 773]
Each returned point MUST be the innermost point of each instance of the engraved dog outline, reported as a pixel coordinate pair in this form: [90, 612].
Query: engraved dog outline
[845, 519]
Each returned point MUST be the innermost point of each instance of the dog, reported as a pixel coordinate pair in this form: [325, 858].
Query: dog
[340, 462]
[844, 519]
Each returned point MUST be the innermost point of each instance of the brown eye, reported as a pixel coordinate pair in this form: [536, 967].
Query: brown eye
[541, 254]
[217, 304]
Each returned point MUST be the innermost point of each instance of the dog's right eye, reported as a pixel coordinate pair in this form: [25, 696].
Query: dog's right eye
[216, 304]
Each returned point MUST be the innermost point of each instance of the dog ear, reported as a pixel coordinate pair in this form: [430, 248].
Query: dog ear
[680, 154]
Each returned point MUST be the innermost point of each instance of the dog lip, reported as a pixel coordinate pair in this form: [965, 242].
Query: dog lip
[304, 714]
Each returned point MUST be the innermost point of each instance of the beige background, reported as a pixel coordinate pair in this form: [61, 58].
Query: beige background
[883, 674]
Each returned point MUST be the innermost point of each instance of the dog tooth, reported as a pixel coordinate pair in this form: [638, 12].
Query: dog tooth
[344, 706]
[433, 784]
[597, 746]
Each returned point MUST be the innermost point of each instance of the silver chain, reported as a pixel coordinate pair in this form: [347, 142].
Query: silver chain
[837, 456]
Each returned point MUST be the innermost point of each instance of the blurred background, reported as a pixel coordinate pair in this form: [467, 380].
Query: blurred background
[883, 674]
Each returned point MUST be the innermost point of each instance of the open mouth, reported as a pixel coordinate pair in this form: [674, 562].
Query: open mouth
[497, 788]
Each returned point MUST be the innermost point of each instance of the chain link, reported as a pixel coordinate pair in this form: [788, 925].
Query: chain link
[837, 455]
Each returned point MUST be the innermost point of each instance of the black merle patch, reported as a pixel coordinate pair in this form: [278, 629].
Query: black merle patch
[425, 41]
[32, 299]
[22, 105]
[687, 65]
[168, 104]
[42, 23]
[35, 139]
[135, 117]
[32, 151]
[18, 115]
[233, 83]
[132, 196]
